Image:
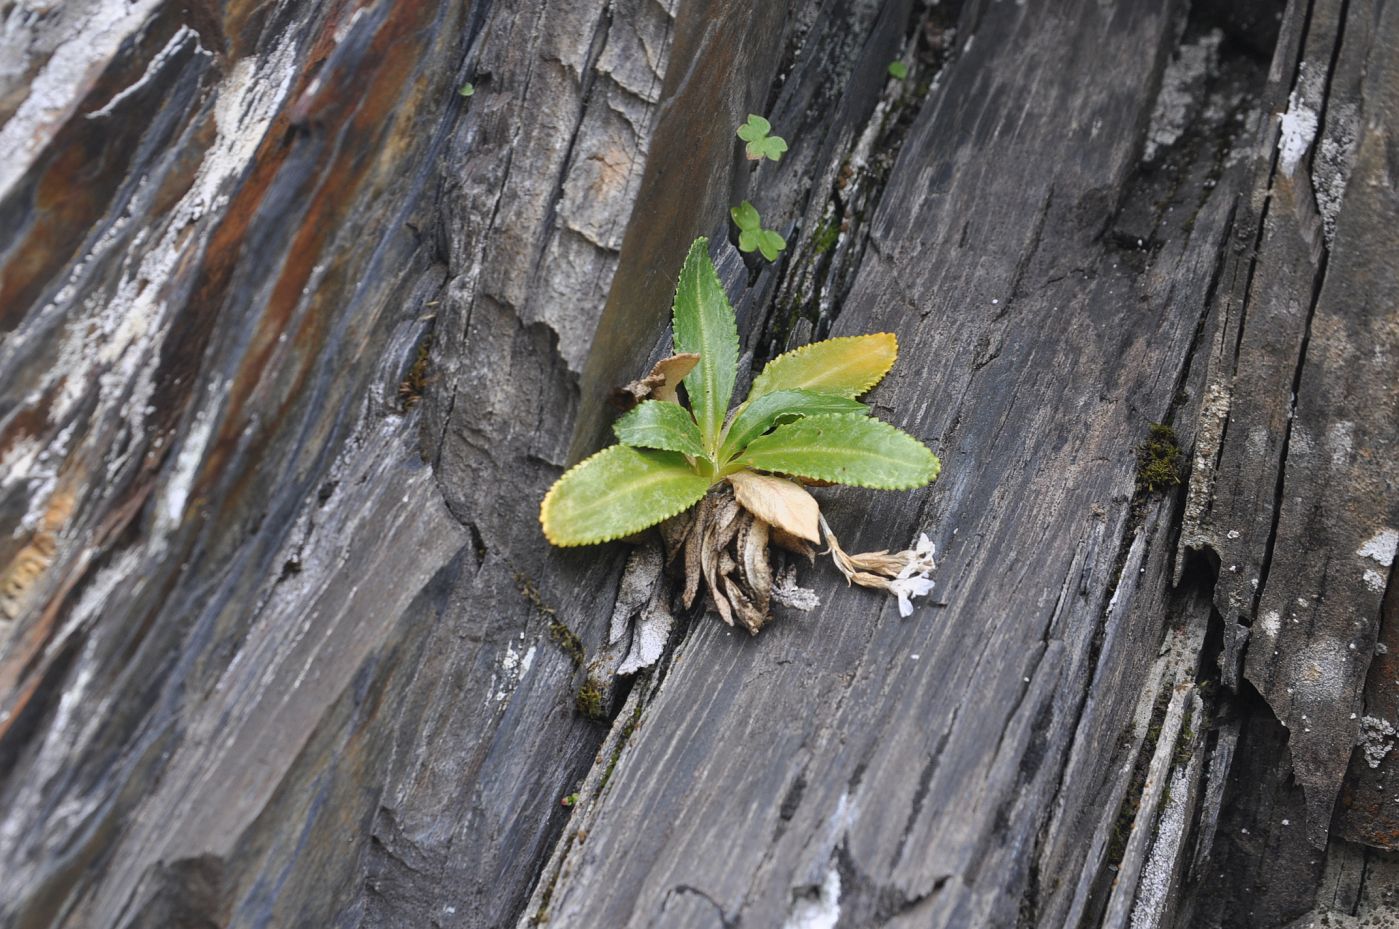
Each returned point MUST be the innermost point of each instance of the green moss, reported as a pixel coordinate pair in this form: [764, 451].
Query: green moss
[567, 640]
[825, 238]
[1159, 460]
[591, 701]
[564, 637]
[1184, 748]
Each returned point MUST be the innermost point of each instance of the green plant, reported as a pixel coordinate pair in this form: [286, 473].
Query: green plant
[898, 70]
[751, 234]
[467, 89]
[761, 145]
[1158, 460]
[800, 422]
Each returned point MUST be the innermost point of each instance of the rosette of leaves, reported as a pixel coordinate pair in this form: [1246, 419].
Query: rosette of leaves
[800, 423]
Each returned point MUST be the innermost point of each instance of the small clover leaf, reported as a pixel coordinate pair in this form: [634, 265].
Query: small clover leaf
[771, 244]
[756, 128]
[746, 217]
[770, 148]
[467, 89]
[761, 145]
[752, 237]
[898, 70]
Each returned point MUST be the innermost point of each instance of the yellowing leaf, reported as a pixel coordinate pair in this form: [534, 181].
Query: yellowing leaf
[847, 448]
[847, 366]
[778, 502]
[617, 492]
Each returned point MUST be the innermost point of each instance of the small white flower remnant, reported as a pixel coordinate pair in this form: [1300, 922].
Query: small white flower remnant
[903, 574]
[906, 588]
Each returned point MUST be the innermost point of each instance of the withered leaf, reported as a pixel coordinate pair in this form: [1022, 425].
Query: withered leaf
[791, 543]
[672, 371]
[694, 546]
[727, 519]
[675, 531]
[660, 384]
[710, 550]
[757, 572]
[779, 502]
[748, 613]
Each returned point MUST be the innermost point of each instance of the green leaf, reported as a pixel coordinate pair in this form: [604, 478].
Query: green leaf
[467, 89]
[846, 448]
[704, 323]
[847, 366]
[753, 419]
[898, 70]
[617, 492]
[756, 128]
[658, 424]
[771, 244]
[760, 145]
[748, 240]
[771, 147]
[746, 216]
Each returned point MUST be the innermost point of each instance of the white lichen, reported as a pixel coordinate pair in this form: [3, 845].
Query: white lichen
[819, 909]
[1296, 132]
[88, 37]
[790, 594]
[1376, 739]
[1182, 86]
[1381, 547]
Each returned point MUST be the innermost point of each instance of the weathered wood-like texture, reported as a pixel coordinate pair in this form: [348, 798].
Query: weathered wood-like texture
[295, 336]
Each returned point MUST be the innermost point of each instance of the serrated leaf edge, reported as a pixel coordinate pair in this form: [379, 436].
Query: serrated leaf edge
[544, 505]
[844, 338]
[806, 420]
[617, 427]
[701, 247]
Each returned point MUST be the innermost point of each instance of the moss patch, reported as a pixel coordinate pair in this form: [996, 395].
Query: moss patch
[590, 700]
[567, 640]
[1159, 460]
[825, 238]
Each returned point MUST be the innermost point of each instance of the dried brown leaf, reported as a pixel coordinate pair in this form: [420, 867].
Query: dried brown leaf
[660, 384]
[791, 543]
[728, 517]
[757, 572]
[710, 550]
[675, 531]
[671, 371]
[694, 547]
[749, 616]
[778, 502]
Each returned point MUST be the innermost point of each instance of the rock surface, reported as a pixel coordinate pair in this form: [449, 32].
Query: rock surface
[294, 335]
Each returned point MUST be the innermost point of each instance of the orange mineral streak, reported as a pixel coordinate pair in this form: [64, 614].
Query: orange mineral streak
[366, 126]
